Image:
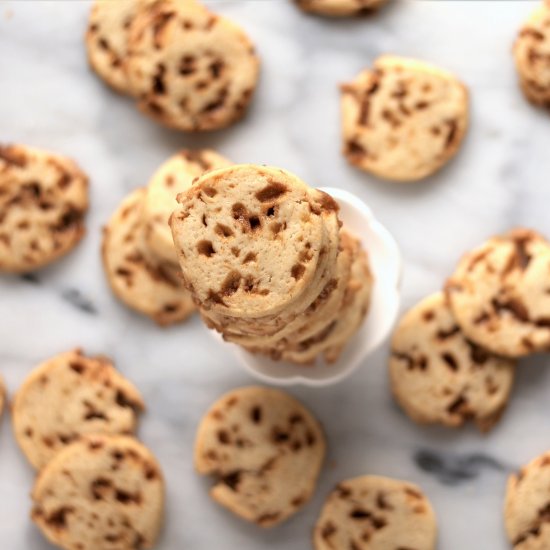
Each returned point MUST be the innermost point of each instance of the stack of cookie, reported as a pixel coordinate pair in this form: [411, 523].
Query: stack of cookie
[187, 67]
[268, 264]
[453, 355]
[138, 251]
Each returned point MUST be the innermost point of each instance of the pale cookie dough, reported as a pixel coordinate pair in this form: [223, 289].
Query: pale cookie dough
[107, 37]
[175, 176]
[376, 513]
[439, 376]
[67, 397]
[527, 506]
[404, 119]
[340, 8]
[101, 492]
[499, 294]
[266, 450]
[532, 56]
[43, 199]
[188, 67]
[250, 239]
[142, 285]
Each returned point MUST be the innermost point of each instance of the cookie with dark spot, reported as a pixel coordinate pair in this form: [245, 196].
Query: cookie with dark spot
[404, 119]
[500, 294]
[175, 176]
[151, 287]
[188, 67]
[266, 451]
[107, 37]
[67, 397]
[439, 376]
[340, 8]
[376, 513]
[43, 200]
[101, 492]
[527, 506]
[532, 56]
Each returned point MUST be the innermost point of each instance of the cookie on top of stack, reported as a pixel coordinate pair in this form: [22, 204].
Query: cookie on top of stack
[187, 68]
[453, 355]
[138, 252]
[268, 263]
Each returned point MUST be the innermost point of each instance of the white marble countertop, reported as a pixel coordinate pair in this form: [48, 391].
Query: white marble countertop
[500, 179]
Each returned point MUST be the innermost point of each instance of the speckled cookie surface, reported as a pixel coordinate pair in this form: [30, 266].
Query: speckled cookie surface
[339, 8]
[43, 199]
[376, 513]
[265, 448]
[107, 37]
[404, 119]
[438, 375]
[188, 67]
[249, 239]
[67, 397]
[527, 504]
[101, 492]
[175, 176]
[499, 294]
[532, 56]
[142, 285]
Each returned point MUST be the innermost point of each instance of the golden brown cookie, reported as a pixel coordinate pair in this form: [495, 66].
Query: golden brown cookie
[188, 67]
[499, 294]
[67, 397]
[438, 375]
[43, 199]
[152, 289]
[340, 8]
[266, 451]
[404, 119]
[101, 492]
[376, 513]
[532, 56]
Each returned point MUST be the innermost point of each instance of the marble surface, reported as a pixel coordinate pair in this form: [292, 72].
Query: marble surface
[49, 98]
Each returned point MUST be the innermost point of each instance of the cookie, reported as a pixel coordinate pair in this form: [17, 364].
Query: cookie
[107, 37]
[526, 505]
[376, 513]
[188, 67]
[532, 56]
[67, 397]
[250, 238]
[149, 288]
[404, 119]
[340, 8]
[43, 199]
[102, 491]
[266, 451]
[173, 177]
[499, 294]
[439, 376]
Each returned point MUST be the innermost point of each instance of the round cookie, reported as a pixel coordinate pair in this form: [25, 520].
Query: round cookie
[107, 37]
[532, 56]
[526, 506]
[340, 8]
[438, 375]
[250, 238]
[67, 397]
[266, 451]
[103, 491]
[499, 294]
[376, 513]
[404, 119]
[188, 67]
[43, 199]
[175, 176]
[142, 285]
